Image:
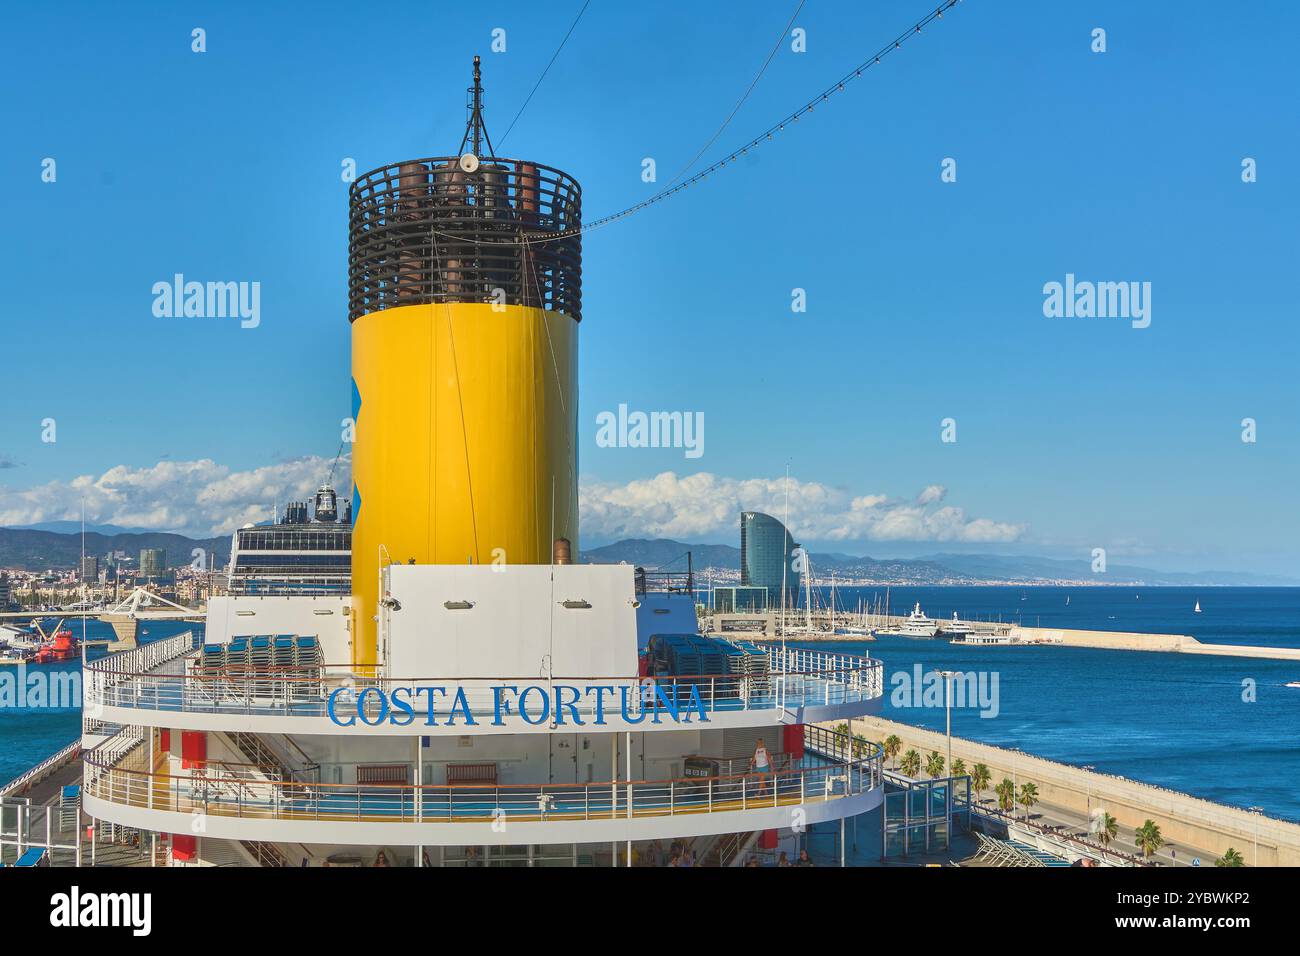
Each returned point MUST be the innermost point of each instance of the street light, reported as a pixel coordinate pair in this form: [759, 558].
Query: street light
[1258, 811]
[1087, 783]
[947, 708]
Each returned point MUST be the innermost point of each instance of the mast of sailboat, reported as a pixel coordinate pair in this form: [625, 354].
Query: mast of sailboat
[807, 591]
[785, 553]
[832, 601]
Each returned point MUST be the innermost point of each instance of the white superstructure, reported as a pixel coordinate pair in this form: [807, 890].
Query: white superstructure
[509, 708]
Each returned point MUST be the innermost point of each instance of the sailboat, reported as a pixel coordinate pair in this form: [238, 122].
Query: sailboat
[1197, 609]
[1067, 600]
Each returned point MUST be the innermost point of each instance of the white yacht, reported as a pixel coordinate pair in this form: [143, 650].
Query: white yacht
[957, 630]
[918, 625]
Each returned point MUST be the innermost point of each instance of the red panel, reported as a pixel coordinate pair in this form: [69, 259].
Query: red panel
[767, 840]
[194, 748]
[794, 741]
[165, 741]
[184, 847]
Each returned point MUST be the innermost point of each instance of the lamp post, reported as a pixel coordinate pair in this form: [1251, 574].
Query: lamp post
[1258, 811]
[947, 707]
[1087, 783]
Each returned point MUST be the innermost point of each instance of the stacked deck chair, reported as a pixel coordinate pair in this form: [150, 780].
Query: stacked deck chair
[207, 669]
[237, 673]
[259, 662]
[283, 662]
[713, 665]
[307, 663]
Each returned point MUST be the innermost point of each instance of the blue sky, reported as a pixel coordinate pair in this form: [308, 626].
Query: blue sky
[924, 298]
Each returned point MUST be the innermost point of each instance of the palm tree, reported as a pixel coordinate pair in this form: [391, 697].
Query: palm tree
[892, 745]
[934, 764]
[1028, 796]
[1006, 792]
[842, 729]
[959, 768]
[911, 763]
[1108, 829]
[1148, 839]
[859, 745]
[980, 778]
[1230, 858]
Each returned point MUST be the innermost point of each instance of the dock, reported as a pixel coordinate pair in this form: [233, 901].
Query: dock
[765, 626]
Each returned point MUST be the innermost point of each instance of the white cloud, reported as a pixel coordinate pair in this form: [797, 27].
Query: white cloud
[199, 498]
[692, 506]
[931, 494]
[203, 498]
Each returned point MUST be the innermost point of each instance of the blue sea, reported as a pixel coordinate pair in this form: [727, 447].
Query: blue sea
[1175, 720]
[27, 735]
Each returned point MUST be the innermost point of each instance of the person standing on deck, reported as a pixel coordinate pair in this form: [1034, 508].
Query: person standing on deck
[761, 763]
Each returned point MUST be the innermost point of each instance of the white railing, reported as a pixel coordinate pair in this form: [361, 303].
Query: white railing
[111, 753]
[42, 769]
[233, 790]
[795, 678]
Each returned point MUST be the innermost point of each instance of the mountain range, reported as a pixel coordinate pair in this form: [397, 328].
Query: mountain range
[30, 549]
[35, 549]
[928, 569]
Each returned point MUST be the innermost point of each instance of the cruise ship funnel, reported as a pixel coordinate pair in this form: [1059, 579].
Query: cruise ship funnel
[465, 298]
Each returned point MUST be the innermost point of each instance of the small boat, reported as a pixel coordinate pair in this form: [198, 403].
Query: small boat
[1293, 683]
[9, 657]
[1197, 609]
[62, 646]
[19, 638]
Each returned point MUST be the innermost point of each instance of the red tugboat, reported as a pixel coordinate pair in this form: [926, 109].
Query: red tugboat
[61, 646]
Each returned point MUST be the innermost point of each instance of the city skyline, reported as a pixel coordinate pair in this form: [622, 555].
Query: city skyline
[924, 299]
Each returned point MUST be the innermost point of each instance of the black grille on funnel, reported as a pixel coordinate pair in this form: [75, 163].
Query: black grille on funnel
[427, 231]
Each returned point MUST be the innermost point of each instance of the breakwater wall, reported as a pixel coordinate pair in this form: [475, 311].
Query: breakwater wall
[1184, 820]
[1133, 641]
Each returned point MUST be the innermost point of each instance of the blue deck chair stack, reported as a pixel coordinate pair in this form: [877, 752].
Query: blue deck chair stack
[307, 661]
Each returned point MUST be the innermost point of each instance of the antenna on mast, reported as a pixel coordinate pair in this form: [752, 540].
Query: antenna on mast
[475, 129]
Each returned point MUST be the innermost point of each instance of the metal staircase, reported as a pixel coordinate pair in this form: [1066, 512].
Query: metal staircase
[266, 854]
[728, 849]
[273, 767]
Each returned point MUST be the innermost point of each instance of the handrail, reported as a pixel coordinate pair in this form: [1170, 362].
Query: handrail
[1082, 845]
[258, 798]
[47, 765]
[853, 664]
[797, 678]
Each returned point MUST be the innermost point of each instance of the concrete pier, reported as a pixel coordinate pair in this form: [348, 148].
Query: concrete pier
[766, 627]
[1132, 641]
[1194, 827]
[126, 629]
